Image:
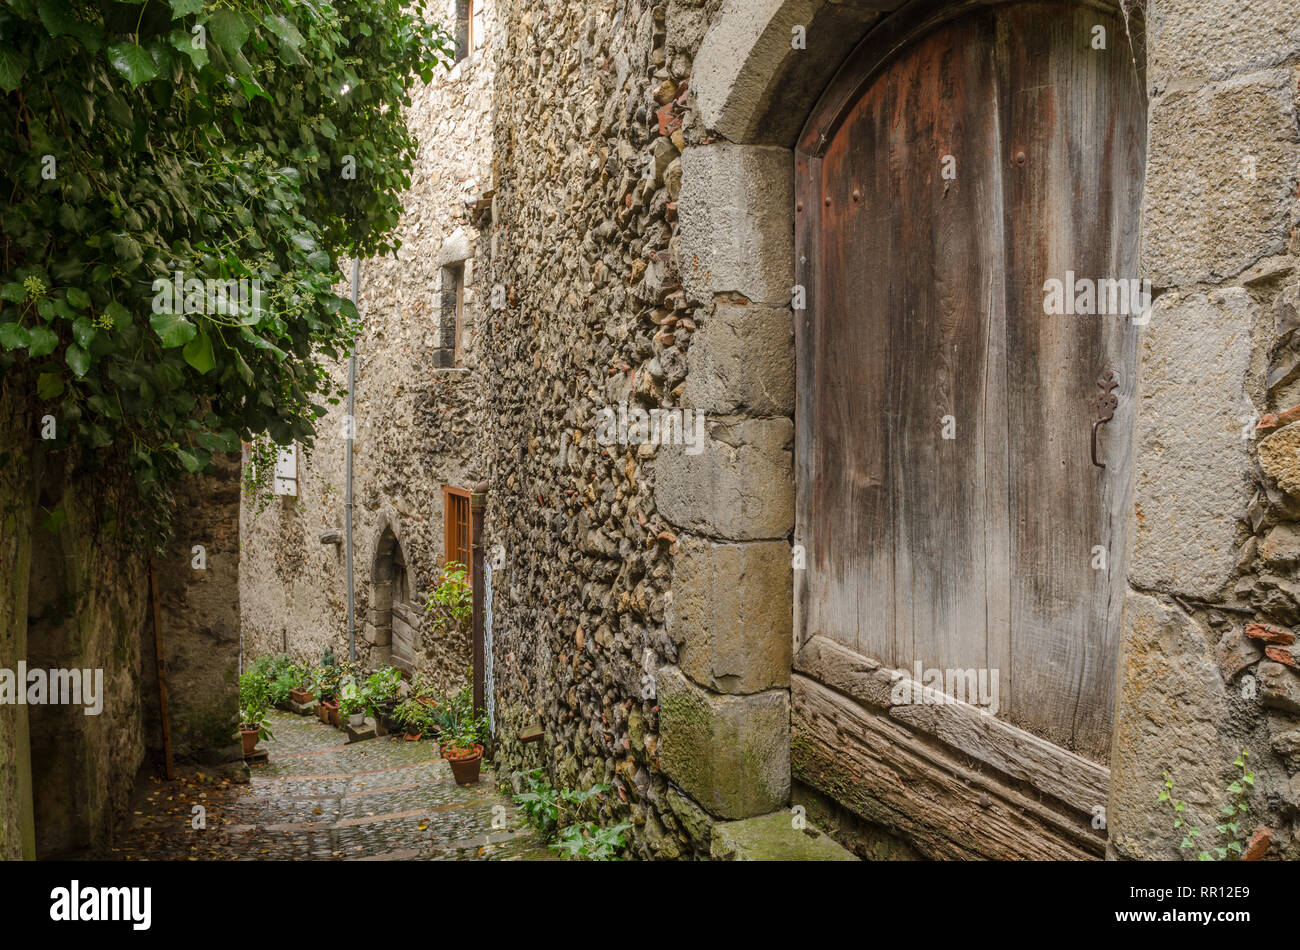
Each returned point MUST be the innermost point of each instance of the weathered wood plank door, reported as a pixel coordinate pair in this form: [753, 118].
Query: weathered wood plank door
[947, 495]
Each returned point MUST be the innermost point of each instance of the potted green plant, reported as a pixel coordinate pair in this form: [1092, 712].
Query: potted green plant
[301, 691]
[379, 694]
[328, 676]
[280, 687]
[253, 704]
[414, 718]
[352, 703]
[305, 690]
[462, 747]
[462, 734]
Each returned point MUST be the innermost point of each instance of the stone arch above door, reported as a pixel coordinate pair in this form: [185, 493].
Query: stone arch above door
[734, 501]
[753, 85]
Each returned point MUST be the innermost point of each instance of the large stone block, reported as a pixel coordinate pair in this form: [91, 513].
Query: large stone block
[729, 753]
[1168, 716]
[739, 486]
[736, 211]
[774, 837]
[742, 360]
[752, 83]
[1220, 178]
[731, 614]
[1193, 41]
[1191, 464]
[1279, 457]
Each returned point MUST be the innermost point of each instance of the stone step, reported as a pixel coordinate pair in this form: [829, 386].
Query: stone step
[774, 837]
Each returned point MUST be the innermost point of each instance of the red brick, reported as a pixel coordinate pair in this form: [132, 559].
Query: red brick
[1269, 633]
[1259, 842]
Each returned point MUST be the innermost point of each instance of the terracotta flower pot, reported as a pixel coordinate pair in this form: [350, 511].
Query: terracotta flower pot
[300, 696]
[249, 738]
[465, 763]
[329, 712]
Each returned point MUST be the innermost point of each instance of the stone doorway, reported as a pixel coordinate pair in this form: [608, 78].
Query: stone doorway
[392, 618]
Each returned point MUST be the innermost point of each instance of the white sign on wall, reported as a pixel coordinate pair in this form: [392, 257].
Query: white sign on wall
[286, 470]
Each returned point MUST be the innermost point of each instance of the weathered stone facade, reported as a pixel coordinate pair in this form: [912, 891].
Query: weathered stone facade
[1214, 502]
[590, 103]
[414, 423]
[640, 252]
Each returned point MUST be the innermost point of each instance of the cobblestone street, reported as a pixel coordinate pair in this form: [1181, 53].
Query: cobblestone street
[319, 798]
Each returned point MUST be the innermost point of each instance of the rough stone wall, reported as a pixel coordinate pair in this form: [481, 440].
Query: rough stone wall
[16, 839]
[73, 595]
[199, 607]
[1216, 526]
[87, 605]
[415, 427]
[589, 128]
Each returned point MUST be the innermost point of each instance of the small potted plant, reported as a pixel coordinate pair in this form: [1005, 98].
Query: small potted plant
[253, 704]
[304, 689]
[280, 686]
[328, 676]
[462, 734]
[379, 694]
[352, 704]
[414, 718]
[462, 747]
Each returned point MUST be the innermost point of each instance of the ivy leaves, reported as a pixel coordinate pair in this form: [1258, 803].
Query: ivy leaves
[185, 142]
[132, 62]
[229, 29]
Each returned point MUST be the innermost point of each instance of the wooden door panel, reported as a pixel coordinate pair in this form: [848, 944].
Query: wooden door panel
[1074, 119]
[896, 291]
[926, 300]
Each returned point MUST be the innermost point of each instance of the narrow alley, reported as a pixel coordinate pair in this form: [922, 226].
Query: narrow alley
[320, 798]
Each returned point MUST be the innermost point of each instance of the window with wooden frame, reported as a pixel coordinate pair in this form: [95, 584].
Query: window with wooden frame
[470, 28]
[457, 526]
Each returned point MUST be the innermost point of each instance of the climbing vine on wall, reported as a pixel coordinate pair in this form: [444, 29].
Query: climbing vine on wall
[180, 178]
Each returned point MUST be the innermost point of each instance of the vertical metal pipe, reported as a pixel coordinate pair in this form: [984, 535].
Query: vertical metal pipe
[350, 431]
[477, 508]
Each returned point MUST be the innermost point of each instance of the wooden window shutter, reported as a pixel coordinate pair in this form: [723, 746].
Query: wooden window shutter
[457, 527]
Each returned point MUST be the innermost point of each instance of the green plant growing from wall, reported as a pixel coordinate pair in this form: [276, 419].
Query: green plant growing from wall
[555, 814]
[589, 841]
[540, 803]
[1232, 814]
[451, 603]
[257, 478]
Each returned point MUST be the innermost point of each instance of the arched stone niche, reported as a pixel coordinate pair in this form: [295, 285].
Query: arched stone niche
[391, 621]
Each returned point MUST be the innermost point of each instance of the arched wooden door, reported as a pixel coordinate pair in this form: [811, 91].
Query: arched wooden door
[947, 495]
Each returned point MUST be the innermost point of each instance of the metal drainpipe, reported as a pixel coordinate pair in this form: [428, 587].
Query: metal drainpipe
[351, 431]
